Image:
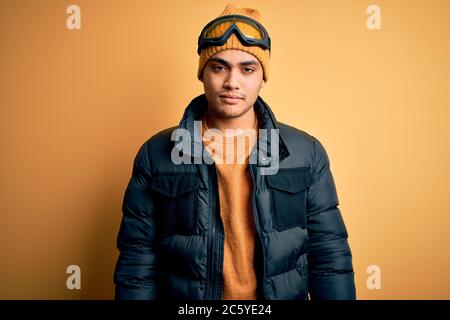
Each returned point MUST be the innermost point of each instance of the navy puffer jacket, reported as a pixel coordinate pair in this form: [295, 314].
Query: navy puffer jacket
[171, 236]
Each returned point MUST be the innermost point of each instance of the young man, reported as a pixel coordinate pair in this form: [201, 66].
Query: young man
[204, 218]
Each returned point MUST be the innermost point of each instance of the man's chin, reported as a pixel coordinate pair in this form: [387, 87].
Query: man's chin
[230, 115]
[229, 111]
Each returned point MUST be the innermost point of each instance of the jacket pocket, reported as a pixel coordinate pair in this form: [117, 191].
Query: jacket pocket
[176, 202]
[288, 197]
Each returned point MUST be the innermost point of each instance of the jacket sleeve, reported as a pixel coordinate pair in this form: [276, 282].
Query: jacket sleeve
[330, 260]
[135, 271]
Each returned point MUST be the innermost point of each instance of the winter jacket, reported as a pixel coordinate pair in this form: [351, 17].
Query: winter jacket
[171, 236]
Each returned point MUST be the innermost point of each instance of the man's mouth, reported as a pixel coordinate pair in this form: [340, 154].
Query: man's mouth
[230, 98]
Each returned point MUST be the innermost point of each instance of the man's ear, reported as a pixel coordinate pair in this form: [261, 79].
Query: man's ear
[201, 75]
[262, 84]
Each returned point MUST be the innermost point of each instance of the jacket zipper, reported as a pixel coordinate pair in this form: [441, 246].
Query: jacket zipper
[213, 291]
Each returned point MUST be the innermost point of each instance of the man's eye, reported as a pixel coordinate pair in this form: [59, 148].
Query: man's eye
[217, 67]
[249, 70]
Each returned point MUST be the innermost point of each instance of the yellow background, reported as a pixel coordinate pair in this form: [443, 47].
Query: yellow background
[75, 106]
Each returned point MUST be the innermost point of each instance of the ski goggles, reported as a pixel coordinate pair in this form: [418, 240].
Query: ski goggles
[249, 31]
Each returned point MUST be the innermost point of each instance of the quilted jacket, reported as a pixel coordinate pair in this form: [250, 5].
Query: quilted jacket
[171, 235]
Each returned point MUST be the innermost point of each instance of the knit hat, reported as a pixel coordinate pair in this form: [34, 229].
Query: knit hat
[234, 43]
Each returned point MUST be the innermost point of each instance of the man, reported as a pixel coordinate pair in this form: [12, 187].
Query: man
[203, 219]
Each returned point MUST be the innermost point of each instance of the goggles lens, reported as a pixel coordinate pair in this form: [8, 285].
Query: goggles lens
[250, 32]
[248, 28]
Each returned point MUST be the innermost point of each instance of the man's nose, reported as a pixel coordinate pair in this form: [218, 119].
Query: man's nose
[232, 80]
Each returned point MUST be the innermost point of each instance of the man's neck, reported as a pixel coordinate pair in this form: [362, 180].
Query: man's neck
[244, 122]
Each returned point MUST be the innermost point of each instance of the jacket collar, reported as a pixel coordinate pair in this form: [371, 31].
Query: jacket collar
[198, 106]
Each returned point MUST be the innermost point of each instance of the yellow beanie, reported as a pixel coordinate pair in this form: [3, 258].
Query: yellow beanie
[234, 43]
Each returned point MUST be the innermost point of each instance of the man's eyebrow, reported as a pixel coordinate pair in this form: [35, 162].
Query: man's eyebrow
[227, 64]
[249, 63]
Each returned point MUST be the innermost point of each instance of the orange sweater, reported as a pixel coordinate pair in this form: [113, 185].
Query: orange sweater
[235, 190]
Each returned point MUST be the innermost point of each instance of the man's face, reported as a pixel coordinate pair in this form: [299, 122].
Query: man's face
[234, 73]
